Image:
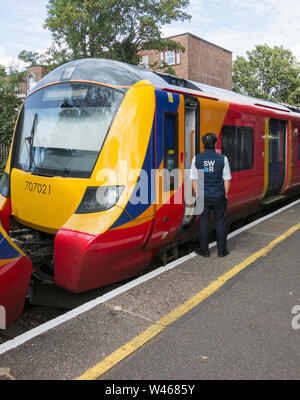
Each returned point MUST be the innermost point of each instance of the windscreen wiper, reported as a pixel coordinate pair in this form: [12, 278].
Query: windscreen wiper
[29, 139]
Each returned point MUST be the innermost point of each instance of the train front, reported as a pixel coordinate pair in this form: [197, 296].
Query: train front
[64, 185]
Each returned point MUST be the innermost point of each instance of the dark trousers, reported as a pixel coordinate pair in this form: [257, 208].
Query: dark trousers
[218, 206]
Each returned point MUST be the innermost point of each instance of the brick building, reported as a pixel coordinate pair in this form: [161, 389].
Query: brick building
[202, 61]
[32, 76]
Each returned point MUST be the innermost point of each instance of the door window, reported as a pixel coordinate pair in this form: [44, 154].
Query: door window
[170, 150]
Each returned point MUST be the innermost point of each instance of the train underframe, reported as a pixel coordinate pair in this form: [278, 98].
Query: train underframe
[38, 246]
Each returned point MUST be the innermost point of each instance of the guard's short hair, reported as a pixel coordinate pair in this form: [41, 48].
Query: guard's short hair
[209, 140]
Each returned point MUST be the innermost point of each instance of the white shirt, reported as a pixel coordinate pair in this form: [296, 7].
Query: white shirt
[226, 170]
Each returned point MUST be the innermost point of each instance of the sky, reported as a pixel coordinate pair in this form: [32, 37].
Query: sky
[236, 25]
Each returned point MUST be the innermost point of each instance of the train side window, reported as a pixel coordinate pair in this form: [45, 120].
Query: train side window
[280, 141]
[170, 150]
[237, 145]
[270, 138]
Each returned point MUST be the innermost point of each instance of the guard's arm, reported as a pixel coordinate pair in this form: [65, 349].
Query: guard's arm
[226, 176]
[226, 187]
[194, 187]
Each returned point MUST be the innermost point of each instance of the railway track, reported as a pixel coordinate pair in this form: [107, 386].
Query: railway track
[45, 301]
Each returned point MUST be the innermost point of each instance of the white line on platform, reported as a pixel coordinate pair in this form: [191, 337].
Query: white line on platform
[17, 341]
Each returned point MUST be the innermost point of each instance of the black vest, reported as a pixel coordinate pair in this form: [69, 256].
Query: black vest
[213, 164]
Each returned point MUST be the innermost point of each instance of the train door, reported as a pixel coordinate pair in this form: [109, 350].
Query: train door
[169, 207]
[191, 148]
[277, 154]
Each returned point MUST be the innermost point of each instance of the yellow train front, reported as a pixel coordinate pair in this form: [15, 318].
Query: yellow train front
[83, 140]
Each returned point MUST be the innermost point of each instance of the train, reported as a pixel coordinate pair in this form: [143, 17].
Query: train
[89, 197]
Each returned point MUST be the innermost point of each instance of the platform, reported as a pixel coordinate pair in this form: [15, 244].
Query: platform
[203, 318]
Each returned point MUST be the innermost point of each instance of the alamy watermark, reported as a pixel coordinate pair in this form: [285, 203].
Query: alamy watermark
[151, 187]
[2, 317]
[296, 319]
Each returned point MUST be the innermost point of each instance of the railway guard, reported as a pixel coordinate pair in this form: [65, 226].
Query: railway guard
[217, 177]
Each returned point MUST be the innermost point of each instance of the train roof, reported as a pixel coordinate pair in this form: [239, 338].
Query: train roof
[231, 96]
[124, 75]
[101, 70]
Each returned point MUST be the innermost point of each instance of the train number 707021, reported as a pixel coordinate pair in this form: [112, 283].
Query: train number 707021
[37, 187]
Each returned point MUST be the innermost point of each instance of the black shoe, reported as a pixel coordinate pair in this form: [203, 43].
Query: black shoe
[202, 253]
[223, 253]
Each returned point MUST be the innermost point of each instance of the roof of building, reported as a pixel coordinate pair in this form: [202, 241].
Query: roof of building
[197, 37]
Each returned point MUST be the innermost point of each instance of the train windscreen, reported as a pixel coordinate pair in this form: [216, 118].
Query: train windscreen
[63, 127]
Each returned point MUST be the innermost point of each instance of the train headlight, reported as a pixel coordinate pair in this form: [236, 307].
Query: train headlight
[99, 199]
[4, 185]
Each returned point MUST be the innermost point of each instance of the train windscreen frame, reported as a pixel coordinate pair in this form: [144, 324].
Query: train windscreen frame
[63, 127]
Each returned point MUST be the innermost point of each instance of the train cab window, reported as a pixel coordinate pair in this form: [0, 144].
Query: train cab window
[237, 145]
[63, 128]
[170, 150]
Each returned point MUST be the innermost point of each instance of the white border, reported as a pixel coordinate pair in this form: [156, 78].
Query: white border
[17, 341]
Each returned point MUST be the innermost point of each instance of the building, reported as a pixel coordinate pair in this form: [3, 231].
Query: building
[32, 76]
[202, 61]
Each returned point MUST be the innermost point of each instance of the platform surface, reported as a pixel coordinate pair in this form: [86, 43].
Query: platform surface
[243, 328]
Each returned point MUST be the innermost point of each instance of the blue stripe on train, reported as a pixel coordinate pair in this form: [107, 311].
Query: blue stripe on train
[6, 249]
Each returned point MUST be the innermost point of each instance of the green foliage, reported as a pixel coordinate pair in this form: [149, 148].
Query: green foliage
[294, 97]
[2, 71]
[29, 57]
[9, 102]
[168, 69]
[165, 67]
[110, 28]
[269, 73]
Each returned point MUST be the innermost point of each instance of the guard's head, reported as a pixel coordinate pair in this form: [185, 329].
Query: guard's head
[209, 141]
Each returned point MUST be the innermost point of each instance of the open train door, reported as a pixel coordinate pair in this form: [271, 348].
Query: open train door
[169, 166]
[191, 148]
[15, 273]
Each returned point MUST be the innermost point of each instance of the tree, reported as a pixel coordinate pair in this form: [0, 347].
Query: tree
[111, 28]
[270, 73]
[9, 102]
[294, 97]
[29, 57]
[9, 105]
[2, 71]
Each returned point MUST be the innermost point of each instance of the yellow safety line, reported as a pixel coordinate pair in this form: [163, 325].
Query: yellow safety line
[130, 347]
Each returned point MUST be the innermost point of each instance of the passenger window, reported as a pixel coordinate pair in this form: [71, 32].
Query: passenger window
[277, 130]
[170, 150]
[280, 142]
[271, 138]
[237, 145]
